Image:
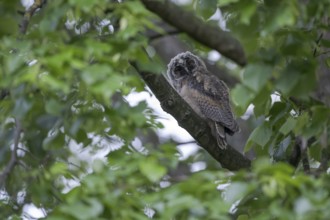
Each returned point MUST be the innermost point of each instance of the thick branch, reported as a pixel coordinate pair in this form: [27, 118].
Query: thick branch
[13, 159]
[206, 34]
[167, 31]
[172, 103]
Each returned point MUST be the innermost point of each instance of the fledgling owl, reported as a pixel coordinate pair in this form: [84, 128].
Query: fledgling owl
[205, 93]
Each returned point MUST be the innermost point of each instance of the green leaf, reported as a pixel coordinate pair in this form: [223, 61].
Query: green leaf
[318, 121]
[260, 136]
[58, 168]
[151, 169]
[50, 82]
[321, 115]
[96, 73]
[88, 209]
[243, 217]
[302, 121]
[287, 81]
[53, 107]
[255, 76]
[325, 43]
[281, 15]
[288, 125]
[22, 107]
[262, 102]
[247, 12]
[302, 89]
[241, 97]
[235, 191]
[54, 141]
[315, 151]
[226, 2]
[206, 8]
[7, 26]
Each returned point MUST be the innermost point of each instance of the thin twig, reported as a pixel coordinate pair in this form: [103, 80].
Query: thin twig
[305, 163]
[13, 159]
[28, 152]
[188, 142]
[304, 155]
[321, 53]
[75, 165]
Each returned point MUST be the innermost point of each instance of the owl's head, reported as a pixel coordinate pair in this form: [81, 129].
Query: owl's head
[182, 66]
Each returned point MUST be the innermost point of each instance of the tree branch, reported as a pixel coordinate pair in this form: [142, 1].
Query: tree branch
[172, 103]
[3, 94]
[295, 156]
[13, 159]
[206, 34]
[154, 35]
[167, 30]
[28, 14]
[325, 152]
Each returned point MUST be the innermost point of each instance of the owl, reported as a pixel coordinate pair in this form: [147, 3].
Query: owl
[207, 95]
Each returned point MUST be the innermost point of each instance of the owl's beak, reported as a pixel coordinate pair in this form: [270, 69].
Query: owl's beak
[185, 71]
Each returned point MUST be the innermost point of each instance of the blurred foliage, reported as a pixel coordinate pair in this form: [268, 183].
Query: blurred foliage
[66, 80]
[283, 48]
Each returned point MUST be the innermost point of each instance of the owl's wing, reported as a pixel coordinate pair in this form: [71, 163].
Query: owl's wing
[215, 104]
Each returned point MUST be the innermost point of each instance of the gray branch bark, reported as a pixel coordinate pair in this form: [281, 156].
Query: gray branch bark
[13, 159]
[206, 34]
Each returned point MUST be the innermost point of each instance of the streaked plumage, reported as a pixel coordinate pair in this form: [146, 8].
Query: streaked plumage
[204, 92]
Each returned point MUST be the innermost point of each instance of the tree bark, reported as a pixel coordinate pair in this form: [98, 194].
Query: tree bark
[211, 36]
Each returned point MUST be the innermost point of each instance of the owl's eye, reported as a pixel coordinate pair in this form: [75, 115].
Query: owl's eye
[190, 64]
[179, 70]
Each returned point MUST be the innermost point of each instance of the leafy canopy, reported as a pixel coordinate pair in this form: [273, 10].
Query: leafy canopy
[63, 86]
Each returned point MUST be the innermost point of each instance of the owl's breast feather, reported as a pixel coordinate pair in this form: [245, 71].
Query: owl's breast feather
[191, 95]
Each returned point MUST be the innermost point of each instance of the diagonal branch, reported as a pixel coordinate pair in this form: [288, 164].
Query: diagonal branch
[206, 34]
[172, 103]
[13, 159]
[29, 13]
[167, 30]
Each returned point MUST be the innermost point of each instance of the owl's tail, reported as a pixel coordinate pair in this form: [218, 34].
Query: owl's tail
[221, 136]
